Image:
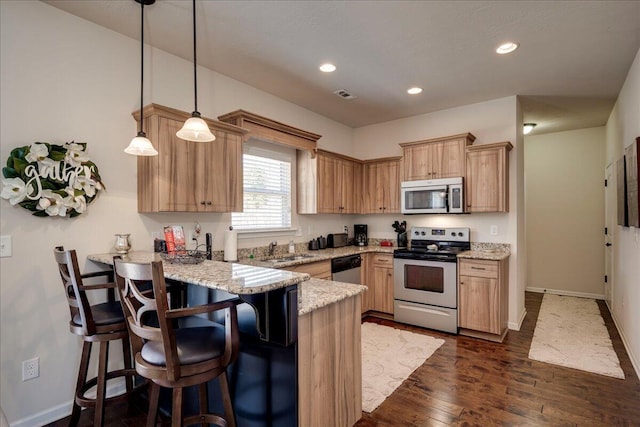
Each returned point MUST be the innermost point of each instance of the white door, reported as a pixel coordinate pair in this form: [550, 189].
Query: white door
[609, 218]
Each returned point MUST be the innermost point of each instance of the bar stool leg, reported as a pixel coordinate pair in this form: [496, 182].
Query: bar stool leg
[176, 410]
[229, 414]
[82, 378]
[154, 396]
[98, 417]
[204, 402]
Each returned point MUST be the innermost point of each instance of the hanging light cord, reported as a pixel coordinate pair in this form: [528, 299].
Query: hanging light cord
[195, 75]
[141, 131]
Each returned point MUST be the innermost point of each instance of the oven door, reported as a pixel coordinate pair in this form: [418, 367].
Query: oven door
[425, 282]
[423, 199]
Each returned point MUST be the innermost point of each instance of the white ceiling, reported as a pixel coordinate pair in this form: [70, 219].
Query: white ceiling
[571, 64]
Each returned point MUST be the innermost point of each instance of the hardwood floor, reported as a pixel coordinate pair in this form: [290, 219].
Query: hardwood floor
[474, 382]
[470, 382]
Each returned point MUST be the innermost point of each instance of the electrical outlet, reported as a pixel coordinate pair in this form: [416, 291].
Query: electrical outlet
[30, 369]
[493, 230]
[345, 228]
[5, 246]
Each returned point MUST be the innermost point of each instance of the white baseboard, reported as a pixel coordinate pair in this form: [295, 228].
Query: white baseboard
[563, 292]
[515, 326]
[58, 412]
[634, 360]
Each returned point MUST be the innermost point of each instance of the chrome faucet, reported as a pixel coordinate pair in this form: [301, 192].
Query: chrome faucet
[272, 247]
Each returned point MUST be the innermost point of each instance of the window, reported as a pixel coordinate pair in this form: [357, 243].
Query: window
[267, 192]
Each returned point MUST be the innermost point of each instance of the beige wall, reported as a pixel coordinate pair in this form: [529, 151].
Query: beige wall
[564, 206]
[62, 79]
[623, 127]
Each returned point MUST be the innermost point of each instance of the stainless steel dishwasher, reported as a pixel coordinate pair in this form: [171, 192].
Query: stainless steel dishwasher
[346, 269]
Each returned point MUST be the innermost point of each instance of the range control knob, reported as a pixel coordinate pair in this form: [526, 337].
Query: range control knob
[416, 233]
[461, 234]
[453, 233]
[423, 233]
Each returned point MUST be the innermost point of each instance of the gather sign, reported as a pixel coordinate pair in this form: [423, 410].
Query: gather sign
[51, 180]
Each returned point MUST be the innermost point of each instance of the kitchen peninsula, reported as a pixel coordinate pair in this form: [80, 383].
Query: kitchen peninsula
[300, 351]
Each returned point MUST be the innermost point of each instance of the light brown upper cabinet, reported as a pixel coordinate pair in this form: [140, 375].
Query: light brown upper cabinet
[486, 184]
[435, 158]
[328, 183]
[381, 182]
[189, 176]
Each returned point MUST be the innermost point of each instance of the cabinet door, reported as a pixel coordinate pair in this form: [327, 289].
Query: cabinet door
[328, 194]
[486, 181]
[365, 280]
[181, 169]
[370, 190]
[347, 184]
[479, 304]
[381, 279]
[417, 162]
[450, 160]
[383, 289]
[224, 177]
[392, 187]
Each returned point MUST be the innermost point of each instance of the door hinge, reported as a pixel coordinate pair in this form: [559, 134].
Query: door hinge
[605, 182]
[606, 278]
[606, 230]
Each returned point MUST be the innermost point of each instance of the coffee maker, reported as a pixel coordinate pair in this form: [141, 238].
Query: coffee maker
[360, 235]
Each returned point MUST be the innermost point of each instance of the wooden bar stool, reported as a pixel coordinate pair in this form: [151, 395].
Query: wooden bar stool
[177, 357]
[99, 323]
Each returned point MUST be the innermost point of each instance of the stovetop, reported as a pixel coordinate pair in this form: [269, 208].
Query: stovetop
[435, 244]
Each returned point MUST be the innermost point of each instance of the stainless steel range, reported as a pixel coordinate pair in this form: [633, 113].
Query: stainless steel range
[425, 280]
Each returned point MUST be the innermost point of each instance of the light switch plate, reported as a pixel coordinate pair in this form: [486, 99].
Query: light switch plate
[5, 246]
[493, 230]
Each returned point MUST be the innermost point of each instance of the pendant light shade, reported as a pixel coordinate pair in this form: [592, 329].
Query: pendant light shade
[195, 129]
[140, 144]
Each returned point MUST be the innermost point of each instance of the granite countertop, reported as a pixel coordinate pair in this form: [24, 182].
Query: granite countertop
[315, 256]
[235, 278]
[488, 251]
[317, 293]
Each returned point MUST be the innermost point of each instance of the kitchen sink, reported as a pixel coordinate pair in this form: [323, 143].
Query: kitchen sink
[290, 258]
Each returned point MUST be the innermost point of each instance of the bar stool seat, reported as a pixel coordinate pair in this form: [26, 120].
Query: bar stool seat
[99, 323]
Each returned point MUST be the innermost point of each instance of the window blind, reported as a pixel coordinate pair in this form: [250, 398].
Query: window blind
[267, 194]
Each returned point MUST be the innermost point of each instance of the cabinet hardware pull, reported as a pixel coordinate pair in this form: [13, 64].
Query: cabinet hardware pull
[209, 203]
[478, 268]
[203, 202]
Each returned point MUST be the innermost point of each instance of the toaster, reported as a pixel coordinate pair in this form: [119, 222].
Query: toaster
[337, 240]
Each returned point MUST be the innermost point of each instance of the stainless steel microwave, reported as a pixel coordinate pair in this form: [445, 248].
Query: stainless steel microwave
[432, 196]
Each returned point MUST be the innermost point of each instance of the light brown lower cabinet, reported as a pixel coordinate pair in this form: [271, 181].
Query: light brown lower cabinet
[380, 283]
[330, 365]
[318, 270]
[483, 292]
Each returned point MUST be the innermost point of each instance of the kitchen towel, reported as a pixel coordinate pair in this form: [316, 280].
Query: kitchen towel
[231, 245]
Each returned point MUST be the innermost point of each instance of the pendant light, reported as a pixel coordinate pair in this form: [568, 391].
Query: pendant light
[195, 128]
[140, 145]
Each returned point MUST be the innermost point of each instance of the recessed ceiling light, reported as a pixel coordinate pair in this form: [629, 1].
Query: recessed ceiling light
[414, 90]
[327, 68]
[527, 128]
[507, 48]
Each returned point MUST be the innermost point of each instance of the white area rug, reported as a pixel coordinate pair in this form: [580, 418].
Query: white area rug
[389, 356]
[570, 332]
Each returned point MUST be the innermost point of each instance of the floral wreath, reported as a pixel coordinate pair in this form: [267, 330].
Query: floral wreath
[51, 180]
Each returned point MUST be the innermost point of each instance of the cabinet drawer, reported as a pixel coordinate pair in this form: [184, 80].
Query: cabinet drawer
[479, 268]
[382, 260]
[319, 270]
